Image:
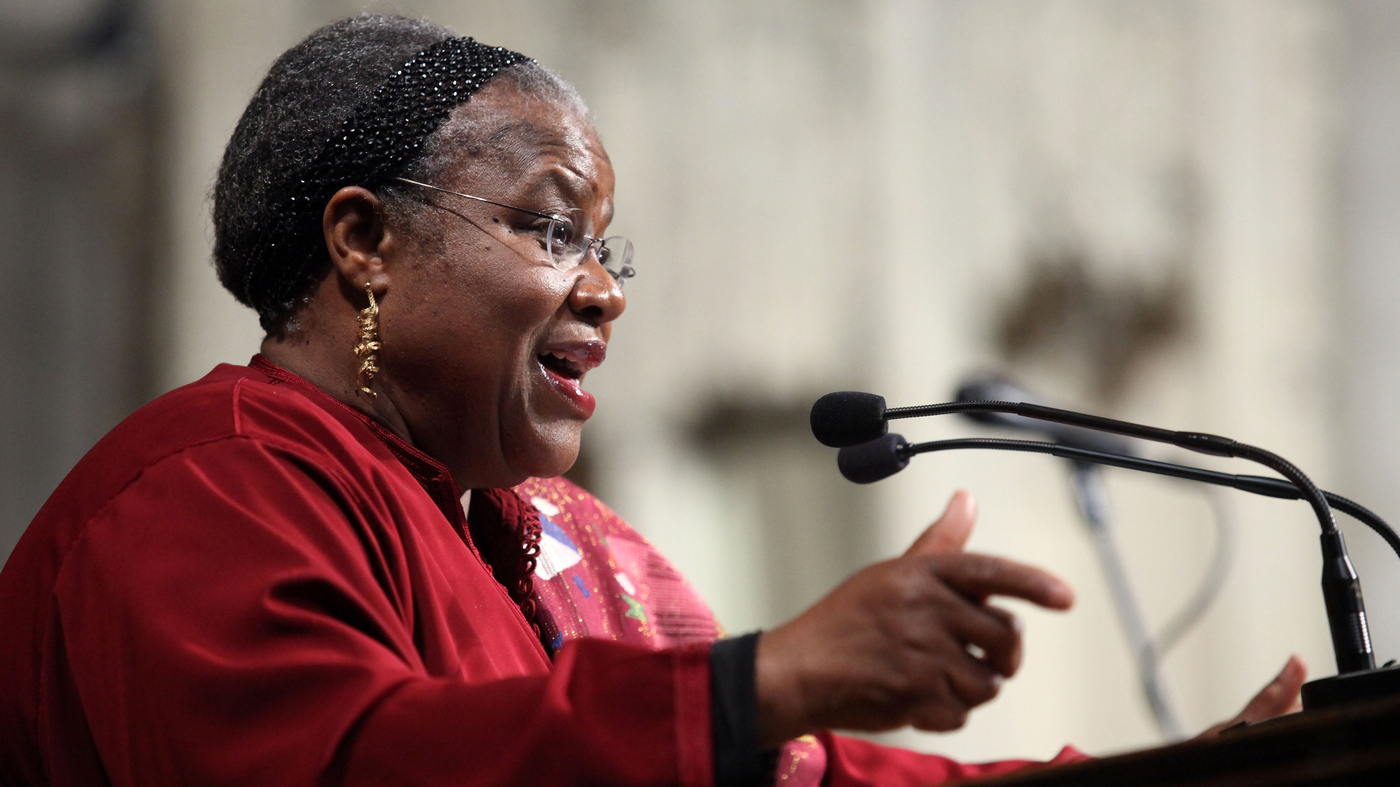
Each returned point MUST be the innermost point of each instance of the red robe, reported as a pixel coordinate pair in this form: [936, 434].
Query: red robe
[248, 582]
[597, 578]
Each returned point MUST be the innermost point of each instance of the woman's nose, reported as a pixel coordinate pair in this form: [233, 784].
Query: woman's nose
[596, 295]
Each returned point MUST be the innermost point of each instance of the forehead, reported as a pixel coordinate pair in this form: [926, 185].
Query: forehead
[503, 137]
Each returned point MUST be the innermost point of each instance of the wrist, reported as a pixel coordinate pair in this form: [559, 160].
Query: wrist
[782, 714]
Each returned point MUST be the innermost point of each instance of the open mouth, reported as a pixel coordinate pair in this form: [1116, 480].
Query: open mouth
[562, 364]
[573, 360]
[565, 364]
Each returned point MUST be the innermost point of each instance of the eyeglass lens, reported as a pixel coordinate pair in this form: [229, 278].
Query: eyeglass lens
[568, 245]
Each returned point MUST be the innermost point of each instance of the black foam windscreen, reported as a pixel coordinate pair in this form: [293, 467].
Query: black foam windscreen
[873, 461]
[848, 418]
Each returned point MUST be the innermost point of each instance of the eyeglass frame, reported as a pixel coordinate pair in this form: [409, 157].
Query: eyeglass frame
[620, 277]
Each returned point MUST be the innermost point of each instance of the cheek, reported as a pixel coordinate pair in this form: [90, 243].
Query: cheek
[468, 326]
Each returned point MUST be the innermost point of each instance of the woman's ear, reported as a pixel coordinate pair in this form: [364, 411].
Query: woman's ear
[357, 237]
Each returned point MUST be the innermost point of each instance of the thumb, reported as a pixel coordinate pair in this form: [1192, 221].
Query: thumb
[952, 529]
[1281, 695]
[1276, 699]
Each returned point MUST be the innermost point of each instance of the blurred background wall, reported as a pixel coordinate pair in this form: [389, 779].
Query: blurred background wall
[1183, 213]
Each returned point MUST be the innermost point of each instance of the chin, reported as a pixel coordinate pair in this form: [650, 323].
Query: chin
[552, 453]
[557, 469]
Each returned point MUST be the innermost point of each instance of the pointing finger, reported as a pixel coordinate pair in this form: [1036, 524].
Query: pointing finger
[979, 576]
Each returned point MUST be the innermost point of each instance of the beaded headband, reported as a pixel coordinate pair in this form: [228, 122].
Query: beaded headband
[373, 145]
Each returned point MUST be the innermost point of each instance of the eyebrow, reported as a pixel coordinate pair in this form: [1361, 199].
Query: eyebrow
[517, 140]
[574, 186]
[520, 141]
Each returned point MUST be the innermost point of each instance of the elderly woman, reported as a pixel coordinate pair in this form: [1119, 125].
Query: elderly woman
[269, 577]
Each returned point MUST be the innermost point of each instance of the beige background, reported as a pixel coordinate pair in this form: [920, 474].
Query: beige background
[838, 194]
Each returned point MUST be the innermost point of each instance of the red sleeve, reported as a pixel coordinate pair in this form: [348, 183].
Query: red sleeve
[231, 619]
[853, 762]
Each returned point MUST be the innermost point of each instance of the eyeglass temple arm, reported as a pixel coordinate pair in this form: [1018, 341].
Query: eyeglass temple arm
[591, 240]
[478, 199]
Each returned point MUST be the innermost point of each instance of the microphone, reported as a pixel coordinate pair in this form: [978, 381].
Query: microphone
[873, 461]
[848, 418]
[839, 418]
[992, 388]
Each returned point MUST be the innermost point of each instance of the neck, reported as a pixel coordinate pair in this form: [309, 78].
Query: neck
[322, 352]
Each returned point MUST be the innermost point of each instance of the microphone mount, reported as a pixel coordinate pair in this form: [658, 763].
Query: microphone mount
[849, 418]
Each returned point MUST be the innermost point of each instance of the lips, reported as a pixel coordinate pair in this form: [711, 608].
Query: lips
[565, 364]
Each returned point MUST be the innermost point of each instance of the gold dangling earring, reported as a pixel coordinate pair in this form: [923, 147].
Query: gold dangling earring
[368, 347]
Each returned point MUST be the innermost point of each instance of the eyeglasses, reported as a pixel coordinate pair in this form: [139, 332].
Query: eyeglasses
[562, 239]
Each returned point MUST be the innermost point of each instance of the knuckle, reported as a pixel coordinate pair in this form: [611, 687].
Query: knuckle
[942, 718]
[985, 570]
[981, 690]
[910, 584]
[1005, 640]
[896, 688]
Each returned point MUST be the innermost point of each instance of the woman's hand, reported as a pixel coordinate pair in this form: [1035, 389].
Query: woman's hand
[909, 641]
[1276, 699]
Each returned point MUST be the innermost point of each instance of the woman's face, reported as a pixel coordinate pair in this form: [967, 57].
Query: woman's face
[485, 342]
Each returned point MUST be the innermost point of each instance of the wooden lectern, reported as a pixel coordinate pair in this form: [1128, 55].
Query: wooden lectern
[1357, 744]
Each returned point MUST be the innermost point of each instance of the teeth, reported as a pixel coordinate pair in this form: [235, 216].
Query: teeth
[575, 356]
[577, 360]
[567, 362]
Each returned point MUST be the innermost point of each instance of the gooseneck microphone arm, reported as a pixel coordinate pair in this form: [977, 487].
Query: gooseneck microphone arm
[1257, 484]
[1199, 442]
[848, 418]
